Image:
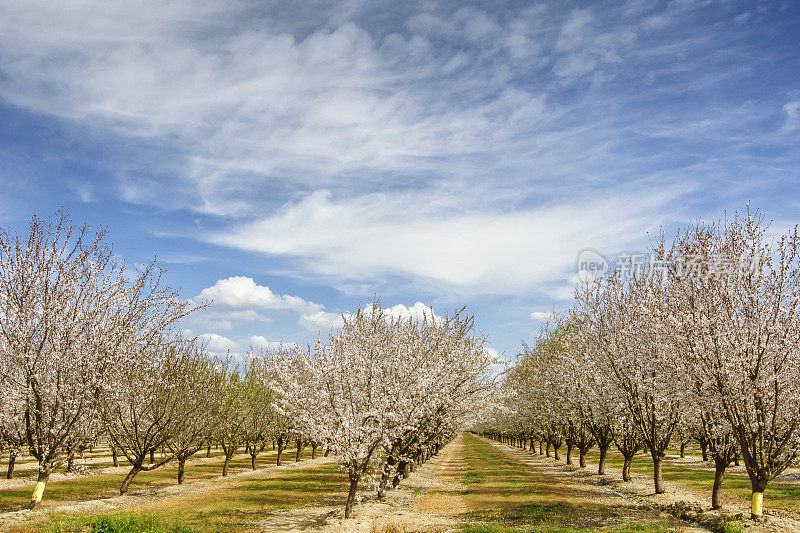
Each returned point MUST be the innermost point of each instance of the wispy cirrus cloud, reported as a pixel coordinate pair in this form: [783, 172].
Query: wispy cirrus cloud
[250, 100]
[462, 250]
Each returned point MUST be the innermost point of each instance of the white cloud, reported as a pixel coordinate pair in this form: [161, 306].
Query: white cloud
[501, 364]
[250, 100]
[472, 251]
[575, 30]
[258, 343]
[792, 112]
[239, 299]
[321, 321]
[240, 292]
[223, 319]
[540, 315]
[223, 346]
[218, 344]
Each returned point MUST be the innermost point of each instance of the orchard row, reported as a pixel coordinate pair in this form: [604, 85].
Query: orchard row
[91, 351]
[704, 347]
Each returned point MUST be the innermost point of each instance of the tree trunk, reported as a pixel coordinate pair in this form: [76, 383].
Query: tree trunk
[704, 448]
[555, 452]
[208, 451]
[314, 450]
[226, 464]
[299, 449]
[582, 459]
[658, 479]
[128, 478]
[757, 500]
[327, 451]
[569, 453]
[70, 460]
[387, 471]
[351, 494]
[253, 460]
[41, 481]
[181, 469]
[548, 449]
[736, 459]
[152, 455]
[719, 475]
[12, 459]
[280, 451]
[601, 467]
[114, 456]
[626, 468]
[683, 450]
[541, 447]
[401, 465]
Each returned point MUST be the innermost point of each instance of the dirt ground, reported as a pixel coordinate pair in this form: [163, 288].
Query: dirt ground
[430, 499]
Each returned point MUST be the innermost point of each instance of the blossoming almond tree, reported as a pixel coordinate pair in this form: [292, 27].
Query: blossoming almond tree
[262, 422]
[340, 391]
[70, 317]
[140, 412]
[625, 347]
[443, 383]
[193, 419]
[736, 315]
[230, 414]
[376, 380]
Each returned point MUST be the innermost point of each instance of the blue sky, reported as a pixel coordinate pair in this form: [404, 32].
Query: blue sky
[291, 160]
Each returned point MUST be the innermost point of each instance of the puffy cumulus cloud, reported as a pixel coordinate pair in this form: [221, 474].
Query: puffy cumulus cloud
[240, 292]
[540, 315]
[323, 320]
[223, 346]
[239, 299]
[258, 343]
[217, 344]
[418, 311]
[449, 245]
[223, 319]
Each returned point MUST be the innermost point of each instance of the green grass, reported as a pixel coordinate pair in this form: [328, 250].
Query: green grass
[107, 485]
[236, 507]
[736, 487]
[734, 527]
[255, 498]
[119, 523]
[505, 495]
